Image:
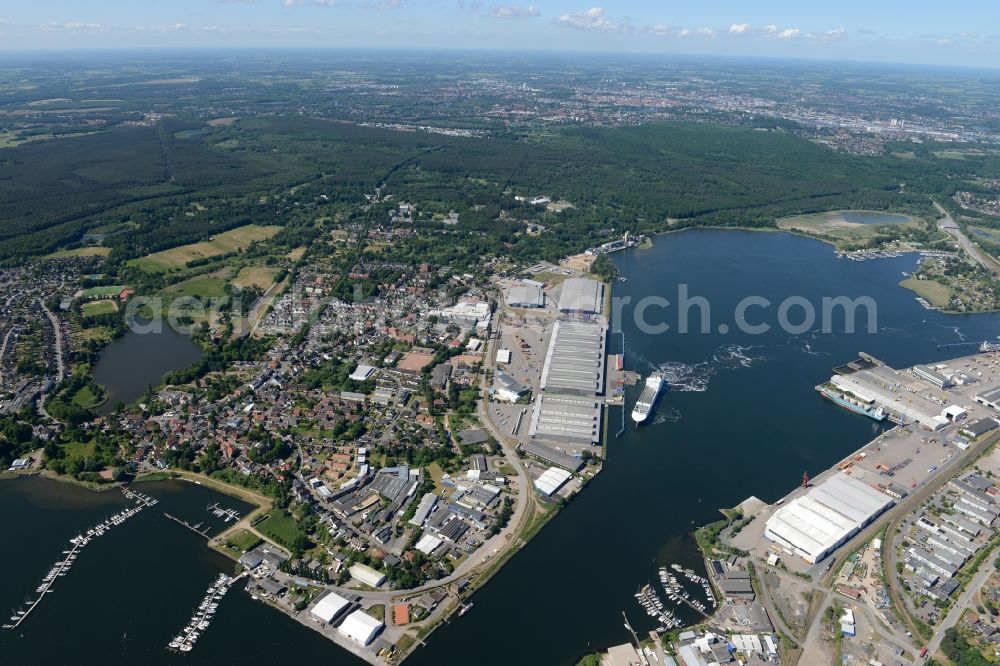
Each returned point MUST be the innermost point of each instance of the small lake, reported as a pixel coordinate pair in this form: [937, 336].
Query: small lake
[134, 362]
[871, 217]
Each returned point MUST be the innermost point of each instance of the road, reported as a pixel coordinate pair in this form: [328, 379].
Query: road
[249, 323]
[3, 351]
[57, 332]
[948, 225]
[963, 601]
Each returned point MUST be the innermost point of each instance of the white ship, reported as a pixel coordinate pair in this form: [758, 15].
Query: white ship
[644, 405]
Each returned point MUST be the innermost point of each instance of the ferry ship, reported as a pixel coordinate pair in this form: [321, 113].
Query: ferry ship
[855, 405]
[644, 405]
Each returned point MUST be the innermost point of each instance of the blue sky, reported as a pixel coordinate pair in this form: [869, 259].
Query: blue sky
[960, 32]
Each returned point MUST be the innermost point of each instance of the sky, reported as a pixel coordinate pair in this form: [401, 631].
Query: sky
[959, 32]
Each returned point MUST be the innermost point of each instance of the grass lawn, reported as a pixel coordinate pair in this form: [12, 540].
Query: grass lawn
[79, 450]
[224, 243]
[279, 526]
[242, 540]
[87, 399]
[377, 612]
[259, 276]
[936, 293]
[89, 251]
[206, 286]
[102, 307]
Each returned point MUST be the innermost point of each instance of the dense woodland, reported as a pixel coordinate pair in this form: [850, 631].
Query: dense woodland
[135, 186]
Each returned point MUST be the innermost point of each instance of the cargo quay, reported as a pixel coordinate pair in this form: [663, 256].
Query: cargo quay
[884, 553]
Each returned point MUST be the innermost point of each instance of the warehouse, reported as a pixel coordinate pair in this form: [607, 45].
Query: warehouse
[551, 480]
[427, 544]
[566, 418]
[931, 376]
[507, 388]
[581, 296]
[329, 608]
[424, 509]
[525, 296]
[990, 398]
[815, 524]
[574, 362]
[551, 456]
[361, 627]
[365, 574]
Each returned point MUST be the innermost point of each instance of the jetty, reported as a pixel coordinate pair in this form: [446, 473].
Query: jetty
[77, 544]
[197, 529]
[203, 614]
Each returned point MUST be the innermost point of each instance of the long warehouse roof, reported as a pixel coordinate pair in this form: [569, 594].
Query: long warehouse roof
[820, 520]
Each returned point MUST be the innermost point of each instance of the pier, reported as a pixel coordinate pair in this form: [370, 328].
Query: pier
[219, 512]
[77, 543]
[197, 529]
[621, 430]
[203, 614]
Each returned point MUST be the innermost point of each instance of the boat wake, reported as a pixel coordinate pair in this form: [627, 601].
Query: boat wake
[735, 356]
[685, 377]
[669, 415]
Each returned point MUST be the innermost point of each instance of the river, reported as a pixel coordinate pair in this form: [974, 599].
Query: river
[742, 419]
[129, 365]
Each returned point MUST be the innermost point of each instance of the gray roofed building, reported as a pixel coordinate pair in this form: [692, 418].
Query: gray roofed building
[525, 296]
[574, 362]
[581, 295]
[566, 418]
[550, 455]
[474, 436]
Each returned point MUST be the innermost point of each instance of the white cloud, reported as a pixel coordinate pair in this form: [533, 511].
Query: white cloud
[790, 33]
[739, 28]
[696, 32]
[769, 29]
[515, 11]
[591, 19]
[834, 35]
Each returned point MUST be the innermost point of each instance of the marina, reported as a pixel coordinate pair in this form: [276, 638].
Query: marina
[62, 567]
[219, 512]
[203, 615]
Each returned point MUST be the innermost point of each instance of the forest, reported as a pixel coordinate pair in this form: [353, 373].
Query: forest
[144, 189]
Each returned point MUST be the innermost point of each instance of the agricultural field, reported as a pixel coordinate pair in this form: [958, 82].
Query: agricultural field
[258, 276]
[228, 241]
[203, 286]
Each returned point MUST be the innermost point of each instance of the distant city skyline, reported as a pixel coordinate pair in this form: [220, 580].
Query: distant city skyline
[902, 32]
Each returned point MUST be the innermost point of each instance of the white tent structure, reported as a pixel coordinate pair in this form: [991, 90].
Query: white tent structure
[329, 607]
[815, 524]
[361, 627]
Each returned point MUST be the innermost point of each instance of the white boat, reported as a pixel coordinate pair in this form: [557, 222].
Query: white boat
[644, 405]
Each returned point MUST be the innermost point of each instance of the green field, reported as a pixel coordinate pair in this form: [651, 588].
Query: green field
[936, 293]
[102, 307]
[242, 540]
[103, 292]
[258, 276]
[87, 399]
[206, 286]
[280, 527]
[224, 243]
